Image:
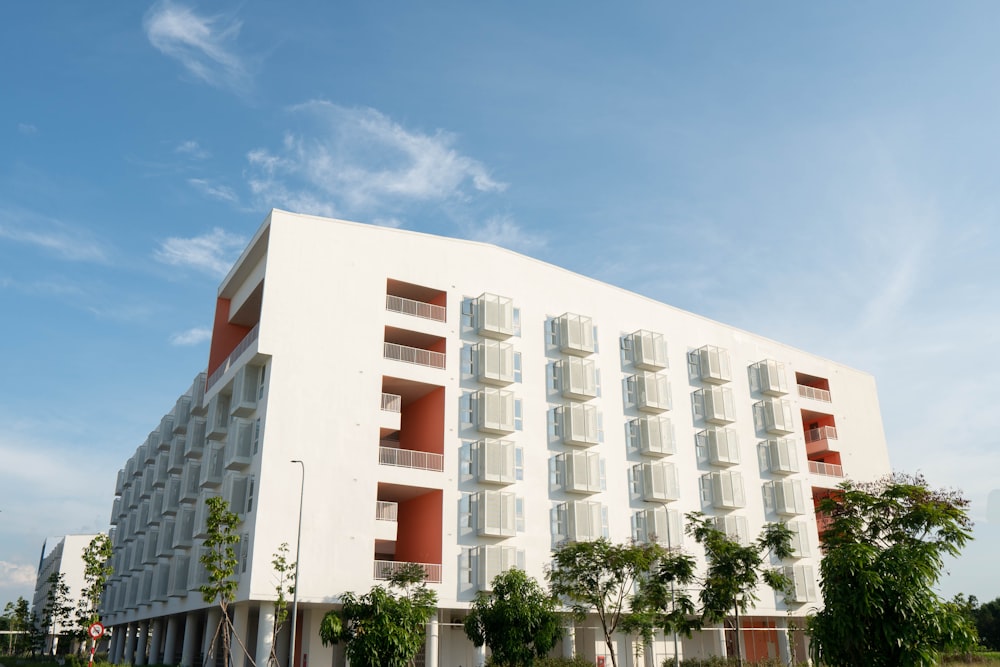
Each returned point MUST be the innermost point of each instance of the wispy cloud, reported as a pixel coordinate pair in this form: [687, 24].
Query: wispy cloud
[16, 574]
[61, 239]
[502, 231]
[204, 45]
[192, 149]
[27, 129]
[193, 336]
[220, 192]
[359, 161]
[212, 253]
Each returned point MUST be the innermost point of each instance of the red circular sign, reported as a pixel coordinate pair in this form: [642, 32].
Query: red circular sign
[95, 631]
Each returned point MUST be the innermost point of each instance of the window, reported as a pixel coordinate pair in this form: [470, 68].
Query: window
[496, 461]
[577, 378]
[579, 424]
[649, 392]
[581, 472]
[494, 316]
[659, 525]
[495, 362]
[576, 334]
[718, 446]
[784, 497]
[659, 481]
[518, 463]
[646, 350]
[776, 416]
[653, 436]
[768, 377]
[496, 513]
[714, 405]
[711, 364]
[497, 411]
[465, 511]
[781, 456]
[723, 489]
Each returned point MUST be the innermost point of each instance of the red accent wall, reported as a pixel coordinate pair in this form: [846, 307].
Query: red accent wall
[225, 336]
[422, 423]
[756, 637]
[418, 529]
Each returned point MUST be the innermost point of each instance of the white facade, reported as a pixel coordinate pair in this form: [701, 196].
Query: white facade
[469, 408]
[60, 555]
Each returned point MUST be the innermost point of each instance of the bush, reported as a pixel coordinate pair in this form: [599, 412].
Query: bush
[719, 661]
[549, 661]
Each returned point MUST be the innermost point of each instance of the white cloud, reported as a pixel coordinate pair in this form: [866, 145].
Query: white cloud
[202, 44]
[15, 574]
[361, 162]
[504, 232]
[213, 253]
[193, 150]
[220, 192]
[192, 336]
[54, 236]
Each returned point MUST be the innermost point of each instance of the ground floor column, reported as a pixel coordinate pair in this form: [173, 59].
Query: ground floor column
[117, 638]
[432, 642]
[170, 642]
[190, 640]
[211, 639]
[569, 641]
[129, 656]
[720, 641]
[480, 656]
[155, 642]
[241, 621]
[140, 644]
[265, 634]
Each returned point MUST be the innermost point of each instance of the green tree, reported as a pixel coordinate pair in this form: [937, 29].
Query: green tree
[285, 573]
[18, 620]
[987, 619]
[220, 562]
[884, 550]
[96, 571]
[663, 600]
[601, 576]
[517, 620]
[57, 613]
[381, 628]
[734, 570]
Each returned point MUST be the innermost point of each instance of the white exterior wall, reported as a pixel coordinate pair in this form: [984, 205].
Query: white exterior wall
[322, 326]
[65, 558]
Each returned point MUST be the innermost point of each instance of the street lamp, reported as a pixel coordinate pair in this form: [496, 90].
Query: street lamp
[666, 520]
[298, 557]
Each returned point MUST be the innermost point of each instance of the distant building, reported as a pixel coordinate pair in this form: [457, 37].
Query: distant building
[60, 555]
[467, 408]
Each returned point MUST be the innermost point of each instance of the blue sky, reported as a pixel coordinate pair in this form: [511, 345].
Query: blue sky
[824, 174]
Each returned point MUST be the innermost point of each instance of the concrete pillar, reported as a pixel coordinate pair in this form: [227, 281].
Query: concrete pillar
[241, 622]
[432, 643]
[129, 656]
[569, 641]
[155, 642]
[140, 645]
[480, 656]
[170, 642]
[720, 641]
[212, 637]
[115, 650]
[784, 650]
[190, 646]
[265, 634]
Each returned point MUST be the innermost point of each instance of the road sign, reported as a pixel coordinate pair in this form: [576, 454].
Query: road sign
[96, 631]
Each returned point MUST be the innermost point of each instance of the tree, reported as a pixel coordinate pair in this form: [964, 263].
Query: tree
[660, 604]
[517, 620]
[884, 550]
[219, 559]
[601, 576]
[19, 620]
[734, 571]
[57, 613]
[96, 571]
[285, 573]
[381, 628]
[987, 619]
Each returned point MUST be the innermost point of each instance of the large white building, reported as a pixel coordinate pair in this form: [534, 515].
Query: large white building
[465, 407]
[61, 557]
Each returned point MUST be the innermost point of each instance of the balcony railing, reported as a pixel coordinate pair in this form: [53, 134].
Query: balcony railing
[828, 469]
[414, 355]
[391, 402]
[247, 341]
[385, 510]
[384, 569]
[408, 458]
[428, 311]
[814, 393]
[821, 433]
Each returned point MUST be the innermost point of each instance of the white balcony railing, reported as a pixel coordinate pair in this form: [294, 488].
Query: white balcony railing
[814, 393]
[384, 569]
[828, 469]
[385, 510]
[821, 433]
[408, 458]
[391, 402]
[428, 311]
[414, 355]
[240, 349]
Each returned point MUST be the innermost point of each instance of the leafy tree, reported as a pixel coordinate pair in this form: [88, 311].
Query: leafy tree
[987, 620]
[57, 613]
[662, 601]
[601, 576]
[219, 559]
[96, 571]
[883, 554]
[517, 620]
[734, 571]
[18, 620]
[381, 628]
[285, 573]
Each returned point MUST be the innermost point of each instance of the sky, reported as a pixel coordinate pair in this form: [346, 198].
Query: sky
[823, 174]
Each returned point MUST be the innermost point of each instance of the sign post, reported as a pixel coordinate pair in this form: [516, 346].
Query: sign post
[96, 631]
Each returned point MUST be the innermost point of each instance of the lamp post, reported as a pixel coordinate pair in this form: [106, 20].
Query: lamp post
[666, 520]
[298, 558]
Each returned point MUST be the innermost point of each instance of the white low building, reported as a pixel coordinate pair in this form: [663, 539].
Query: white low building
[60, 556]
[468, 408]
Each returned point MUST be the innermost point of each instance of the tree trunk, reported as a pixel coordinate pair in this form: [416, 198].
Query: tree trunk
[739, 651]
[611, 650]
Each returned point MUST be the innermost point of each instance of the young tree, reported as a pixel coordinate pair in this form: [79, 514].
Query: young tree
[517, 620]
[380, 628]
[663, 601]
[57, 613]
[987, 619]
[18, 617]
[601, 576]
[96, 571]
[219, 559]
[884, 550]
[734, 571]
[285, 573]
